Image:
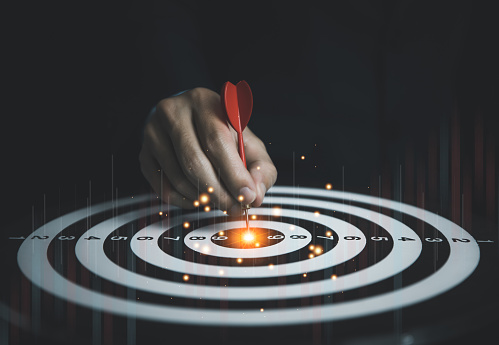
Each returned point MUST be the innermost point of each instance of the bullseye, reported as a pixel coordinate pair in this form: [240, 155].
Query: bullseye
[305, 231]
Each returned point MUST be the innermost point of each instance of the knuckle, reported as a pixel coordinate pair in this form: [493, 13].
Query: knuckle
[214, 141]
[168, 109]
[199, 94]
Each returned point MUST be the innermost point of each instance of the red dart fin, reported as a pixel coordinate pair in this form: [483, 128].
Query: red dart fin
[238, 104]
[245, 103]
[229, 104]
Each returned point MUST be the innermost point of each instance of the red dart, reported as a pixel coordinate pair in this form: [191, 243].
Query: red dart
[237, 101]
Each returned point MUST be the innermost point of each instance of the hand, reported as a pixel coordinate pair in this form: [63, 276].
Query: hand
[189, 147]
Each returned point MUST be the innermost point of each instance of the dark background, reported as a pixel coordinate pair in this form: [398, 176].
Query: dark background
[350, 86]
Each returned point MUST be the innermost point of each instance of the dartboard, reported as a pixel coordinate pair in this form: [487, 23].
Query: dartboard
[312, 261]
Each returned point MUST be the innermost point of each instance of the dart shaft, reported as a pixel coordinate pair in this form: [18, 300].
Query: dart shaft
[247, 218]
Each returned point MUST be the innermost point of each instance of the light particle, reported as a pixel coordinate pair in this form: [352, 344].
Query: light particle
[204, 198]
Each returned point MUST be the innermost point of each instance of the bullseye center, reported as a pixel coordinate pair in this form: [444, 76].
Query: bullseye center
[247, 238]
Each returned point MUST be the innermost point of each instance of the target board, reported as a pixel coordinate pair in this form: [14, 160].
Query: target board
[347, 252]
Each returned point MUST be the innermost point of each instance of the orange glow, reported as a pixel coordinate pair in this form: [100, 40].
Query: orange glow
[311, 256]
[257, 168]
[253, 217]
[311, 247]
[249, 237]
[316, 213]
[225, 212]
[261, 310]
[271, 266]
[240, 198]
[304, 275]
[185, 277]
[186, 225]
[160, 213]
[239, 260]
[329, 233]
[221, 233]
[302, 158]
[329, 186]
[333, 277]
[207, 209]
[210, 189]
[204, 198]
[257, 244]
[196, 203]
[318, 250]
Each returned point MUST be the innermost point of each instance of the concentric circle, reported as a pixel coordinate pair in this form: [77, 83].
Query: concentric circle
[351, 241]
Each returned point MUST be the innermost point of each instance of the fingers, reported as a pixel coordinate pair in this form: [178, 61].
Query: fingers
[163, 152]
[160, 184]
[220, 146]
[260, 166]
[189, 141]
[192, 157]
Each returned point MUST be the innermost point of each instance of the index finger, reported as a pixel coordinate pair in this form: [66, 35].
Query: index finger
[221, 148]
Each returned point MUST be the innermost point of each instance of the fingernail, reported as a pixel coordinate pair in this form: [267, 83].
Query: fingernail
[247, 194]
[263, 189]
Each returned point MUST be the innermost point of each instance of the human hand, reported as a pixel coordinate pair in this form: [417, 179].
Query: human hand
[188, 147]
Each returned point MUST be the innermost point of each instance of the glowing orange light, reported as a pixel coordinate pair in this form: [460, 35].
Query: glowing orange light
[318, 250]
[316, 213]
[196, 203]
[185, 277]
[329, 186]
[257, 244]
[160, 213]
[253, 217]
[210, 189]
[304, 274]
[311, 256]
[271, 266]
[186, 225]
[311, 247]
[258, 168]
[204, 198]
[261, 310]
[333, 277]
[225, 212]
[249, 237]
[221, 233]
[329, 233]
[240, 198]
[207, 208]
[239, 260]
[302, 158]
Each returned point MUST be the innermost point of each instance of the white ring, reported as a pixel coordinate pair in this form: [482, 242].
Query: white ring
[462, 261]
[152, 254]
